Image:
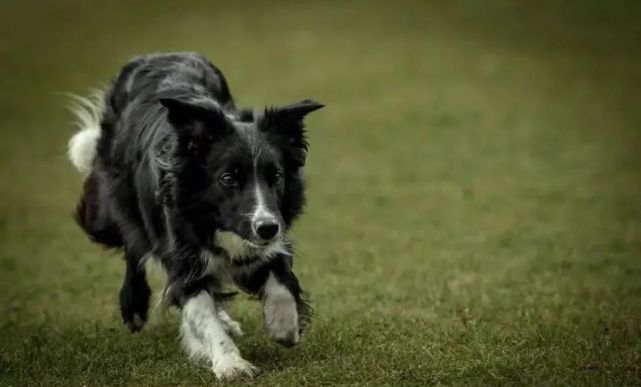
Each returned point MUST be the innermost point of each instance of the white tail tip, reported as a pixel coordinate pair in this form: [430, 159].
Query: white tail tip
[88, 112]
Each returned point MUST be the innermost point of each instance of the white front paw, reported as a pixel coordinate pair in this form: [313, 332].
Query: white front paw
[281, 322]
[232, 366]
[232, 327]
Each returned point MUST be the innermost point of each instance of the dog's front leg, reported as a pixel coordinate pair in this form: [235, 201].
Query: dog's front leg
[281, 313]
[285, 311]
[205, 336]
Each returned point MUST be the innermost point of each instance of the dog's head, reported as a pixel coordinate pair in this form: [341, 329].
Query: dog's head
[244, 175]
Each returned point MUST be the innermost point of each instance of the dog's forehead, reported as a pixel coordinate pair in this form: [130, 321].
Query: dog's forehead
[246, 130]
[256, 141]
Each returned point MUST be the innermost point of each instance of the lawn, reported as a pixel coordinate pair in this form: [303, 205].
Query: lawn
[474, 211]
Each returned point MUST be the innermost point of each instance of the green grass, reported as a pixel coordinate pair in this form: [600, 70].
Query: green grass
[475, 190]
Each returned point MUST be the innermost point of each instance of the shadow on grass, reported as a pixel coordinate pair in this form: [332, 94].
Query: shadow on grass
[90, 354]
[107, 354]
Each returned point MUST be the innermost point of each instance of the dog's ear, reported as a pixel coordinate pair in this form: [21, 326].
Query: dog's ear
[285, 125]
[196, 119]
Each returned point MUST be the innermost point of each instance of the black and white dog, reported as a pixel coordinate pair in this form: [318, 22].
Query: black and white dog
[176, 173]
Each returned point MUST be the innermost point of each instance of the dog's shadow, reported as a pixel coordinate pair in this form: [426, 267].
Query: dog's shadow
[106, 353]
[270, 356]
[255, 346]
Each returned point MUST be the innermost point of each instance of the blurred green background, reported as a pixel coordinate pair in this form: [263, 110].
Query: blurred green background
[474, 209]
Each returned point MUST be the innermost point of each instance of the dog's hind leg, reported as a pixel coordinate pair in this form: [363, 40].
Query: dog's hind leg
[135, 292]
[92, 214]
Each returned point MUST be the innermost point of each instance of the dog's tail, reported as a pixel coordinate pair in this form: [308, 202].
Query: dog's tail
[88, 112]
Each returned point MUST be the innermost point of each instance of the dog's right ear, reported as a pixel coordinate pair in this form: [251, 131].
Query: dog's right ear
[196, 119]
[285, 125]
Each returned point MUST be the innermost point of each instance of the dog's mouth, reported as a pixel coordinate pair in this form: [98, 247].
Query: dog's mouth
[241, 249]
[261, 244]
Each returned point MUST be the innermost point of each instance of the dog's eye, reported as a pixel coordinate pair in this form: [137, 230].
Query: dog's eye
[277, 178]
[228, 180]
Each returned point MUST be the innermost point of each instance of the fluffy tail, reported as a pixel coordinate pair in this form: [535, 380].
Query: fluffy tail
[88, 112]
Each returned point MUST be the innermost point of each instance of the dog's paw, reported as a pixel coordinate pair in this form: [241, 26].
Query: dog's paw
[134, 321]
[134, 304]
[232, 367]
[281, 322]
[232, 327]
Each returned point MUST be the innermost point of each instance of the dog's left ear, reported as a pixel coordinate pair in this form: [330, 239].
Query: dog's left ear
[190, 117]
[197, 122]
[285, 125]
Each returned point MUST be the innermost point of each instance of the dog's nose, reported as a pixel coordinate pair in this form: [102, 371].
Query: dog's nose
[266, 229]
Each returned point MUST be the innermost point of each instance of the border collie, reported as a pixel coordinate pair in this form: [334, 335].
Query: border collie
[176, 173]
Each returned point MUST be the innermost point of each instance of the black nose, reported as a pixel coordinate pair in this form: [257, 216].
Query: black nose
[266, 229]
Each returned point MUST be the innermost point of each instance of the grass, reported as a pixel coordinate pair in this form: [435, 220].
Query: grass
[475, 201]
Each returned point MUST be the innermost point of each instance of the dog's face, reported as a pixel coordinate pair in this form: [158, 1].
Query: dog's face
[251, 187]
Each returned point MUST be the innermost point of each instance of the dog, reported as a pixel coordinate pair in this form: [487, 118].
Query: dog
[174, 172]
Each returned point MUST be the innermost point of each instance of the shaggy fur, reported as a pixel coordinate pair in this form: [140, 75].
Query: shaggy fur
[176, 172]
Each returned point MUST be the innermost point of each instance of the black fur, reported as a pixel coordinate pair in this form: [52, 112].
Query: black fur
[170, 135]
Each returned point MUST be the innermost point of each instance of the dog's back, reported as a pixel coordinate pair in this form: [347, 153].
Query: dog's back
[146, 76]
[121, 126]
[140, 81]
[132, 104]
